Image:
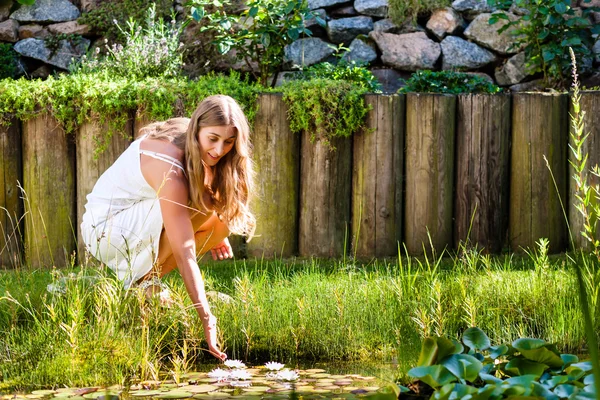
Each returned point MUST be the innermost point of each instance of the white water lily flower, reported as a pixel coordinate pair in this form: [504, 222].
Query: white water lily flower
[274, 366]
[240, 374]
[287, 375]
[235, 364]
[219, 374]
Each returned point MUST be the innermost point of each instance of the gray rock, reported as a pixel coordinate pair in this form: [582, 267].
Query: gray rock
[88, 5]
[41, 73]
[307, 51]
[69, 28]
[481, 32]
[33, 31]
[596, 17]
[9, 31]
[360, 52]
[481, 75]
[445, 21]
[47, 11]
[471, 8]
[513, 71]
[390, 79]
[374, 8]
[314, 4]
[592, 3]
[387, 26]
[461, 54]
[345, 29]
[596, 51]
[62, 57]
[407, 52]
[517, 10]
[286, 76]
[5, 10]
[532, 86]
[591, 81]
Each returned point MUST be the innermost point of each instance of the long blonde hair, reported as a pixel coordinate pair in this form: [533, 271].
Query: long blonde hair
[232, 183]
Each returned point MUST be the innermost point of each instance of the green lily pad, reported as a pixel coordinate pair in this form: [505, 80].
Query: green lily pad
[212, 395]
[521, 366]
[175, 394]
[201, 388]
[476, 339]
[497, 351]
[105, 393]
[574, 373]
[34, 396]
[434, 375]
[565, 390]
[314, 371]
[256, 389]
[435, 348]
[43, 392]
[145, 393]
[463, 366]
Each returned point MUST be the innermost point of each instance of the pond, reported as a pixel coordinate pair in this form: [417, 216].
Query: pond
[234, 380]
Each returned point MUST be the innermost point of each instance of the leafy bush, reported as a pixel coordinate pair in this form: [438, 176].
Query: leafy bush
[526, 367]
[259, 34]
[324, 107]
[402, 10]
[447, 82]
[547, 31]
[102, 19]
[342, 71]
[153, 51]
[8, 61]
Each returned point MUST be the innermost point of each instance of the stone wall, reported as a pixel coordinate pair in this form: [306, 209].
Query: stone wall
[453, 38]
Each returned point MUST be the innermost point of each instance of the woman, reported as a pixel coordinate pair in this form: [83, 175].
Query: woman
[175, 193]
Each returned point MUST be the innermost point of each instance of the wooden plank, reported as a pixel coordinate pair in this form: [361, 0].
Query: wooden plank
[377, 179]
[325, 192]
[11, 205]
[49, 185]
[590, 104]
[430, 142]
[540, 128]
[140, 120]
[90, 167]
[482, 164]
[278, 166]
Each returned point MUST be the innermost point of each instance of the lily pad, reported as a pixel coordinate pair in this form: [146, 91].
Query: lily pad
[521, 366]
[201, 388]
[314, 371]
[476, 339]
[43, 392]
[97, 394]
[174, 395]
[145, 393]
[463, 366]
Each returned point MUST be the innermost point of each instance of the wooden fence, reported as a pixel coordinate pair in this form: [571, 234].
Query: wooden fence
[427, 173]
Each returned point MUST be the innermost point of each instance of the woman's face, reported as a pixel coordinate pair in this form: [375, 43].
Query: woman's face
[215, 143]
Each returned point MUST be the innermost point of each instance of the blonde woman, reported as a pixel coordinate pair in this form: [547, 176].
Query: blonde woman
[175, 193]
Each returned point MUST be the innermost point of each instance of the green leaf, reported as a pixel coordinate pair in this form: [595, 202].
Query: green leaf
[569, 359]
[293, 33]
[544, 10]
[197, 13]
[555, 381]
[543, 34]
[543, 355]
[572, 41]
[487, 378]
[434, 375]
[565, 390]
[497, 351]
[320, 21]
[253, 11]
[26, 2]
[584, 365]
[574, 373]
[435, 348]
[454, 391]
[463, 366]
[560, 8]
[528, 344]
[475, 338]
[225, 24]
[521, 366]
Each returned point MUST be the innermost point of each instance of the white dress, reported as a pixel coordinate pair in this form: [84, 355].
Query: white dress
[122, 222]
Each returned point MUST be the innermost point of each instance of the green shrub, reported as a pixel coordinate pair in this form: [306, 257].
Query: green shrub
[342, 71]
[547, 31]
[448, 82]
[402, 10]
[110, 14]
[153, 51]
[8, 61]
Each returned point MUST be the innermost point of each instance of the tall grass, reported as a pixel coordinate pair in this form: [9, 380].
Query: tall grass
[300, 310]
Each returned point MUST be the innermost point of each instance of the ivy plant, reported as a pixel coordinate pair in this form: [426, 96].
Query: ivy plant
[526, 368]
[450, 82]
[259, 34]
[547, 30]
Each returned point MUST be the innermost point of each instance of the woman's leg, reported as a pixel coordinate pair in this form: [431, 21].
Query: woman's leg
[210, 231]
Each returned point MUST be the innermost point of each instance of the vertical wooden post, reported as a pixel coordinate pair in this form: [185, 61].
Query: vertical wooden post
[482, 167]
[430, 141]
[325, 192]
[378, 165]
[590, 104]
[277, 166]
[49, 184]
[539, 129]
[90, 166]
[11, 211]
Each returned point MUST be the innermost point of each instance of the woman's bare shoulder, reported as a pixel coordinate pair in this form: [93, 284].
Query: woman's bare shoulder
[163, 147]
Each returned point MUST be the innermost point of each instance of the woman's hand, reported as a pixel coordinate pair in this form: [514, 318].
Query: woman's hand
[210, 332]
[222, 251]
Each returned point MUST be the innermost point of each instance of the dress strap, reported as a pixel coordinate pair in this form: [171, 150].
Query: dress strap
[164, 157]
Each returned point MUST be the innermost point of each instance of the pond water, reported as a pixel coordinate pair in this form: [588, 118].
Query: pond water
[237, 381]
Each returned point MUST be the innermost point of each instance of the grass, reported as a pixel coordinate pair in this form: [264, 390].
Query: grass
[284, 310]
